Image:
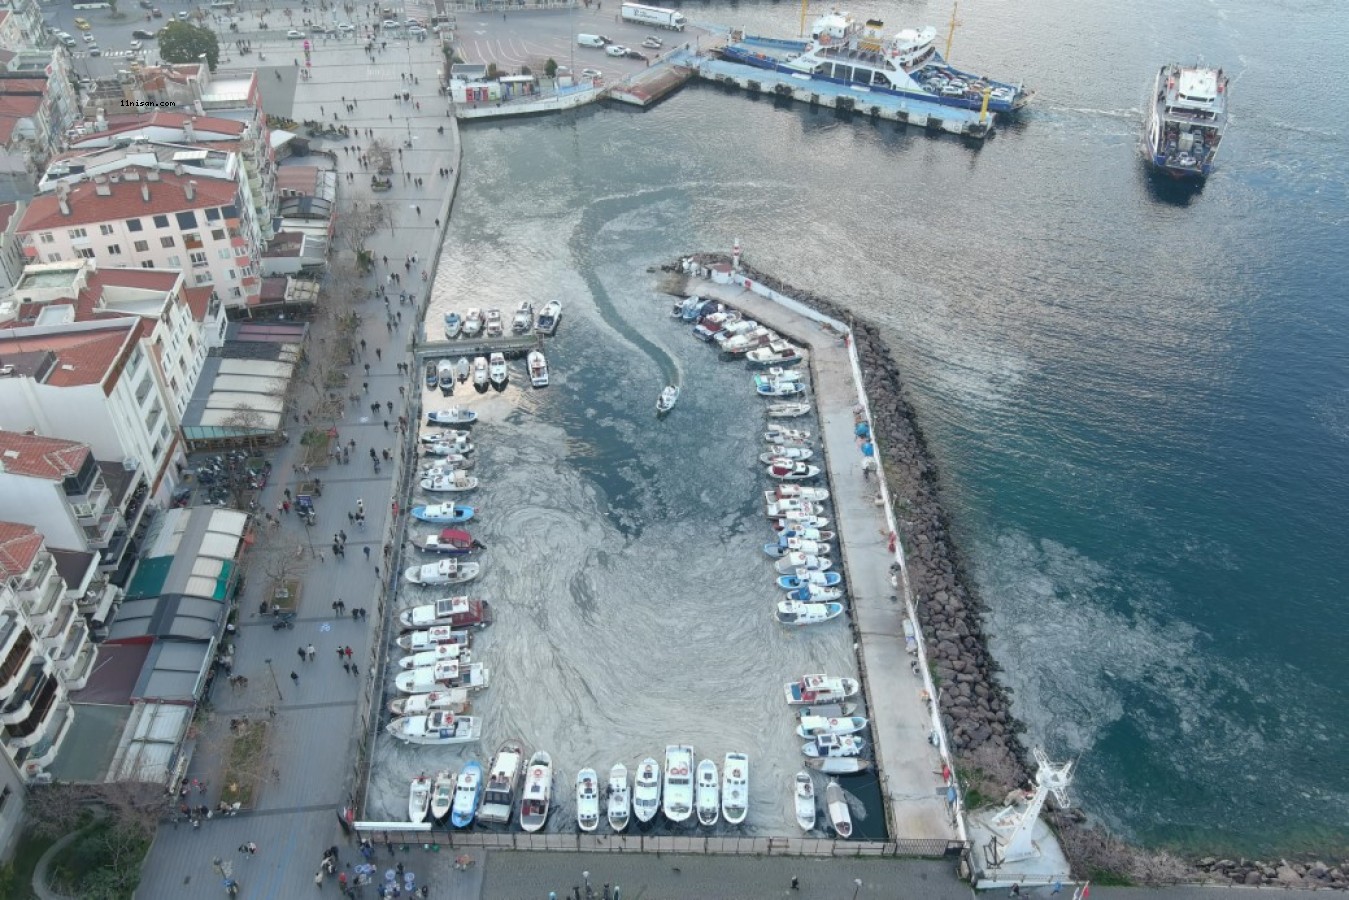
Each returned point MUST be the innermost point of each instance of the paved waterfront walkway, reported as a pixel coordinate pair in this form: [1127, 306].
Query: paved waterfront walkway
[900, 722]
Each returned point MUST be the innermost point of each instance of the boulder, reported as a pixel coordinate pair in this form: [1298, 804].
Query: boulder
[1252, 877]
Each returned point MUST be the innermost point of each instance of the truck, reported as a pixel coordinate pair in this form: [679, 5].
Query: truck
[653, 15]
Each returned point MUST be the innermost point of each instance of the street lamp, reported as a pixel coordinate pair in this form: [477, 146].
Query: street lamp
[857, 886]
[276, 684]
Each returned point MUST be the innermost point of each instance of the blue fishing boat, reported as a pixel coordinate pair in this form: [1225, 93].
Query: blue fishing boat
[467, 793]
[443, 513]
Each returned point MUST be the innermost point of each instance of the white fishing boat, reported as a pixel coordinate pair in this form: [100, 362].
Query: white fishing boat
[796, 563]
[785, 546]
[446, 466]
[669, 396]
[467, 793]
[480, 373]
[538, 792]
[677, 791]
[587, 800]
[778, 432]
[419, 799]
[454, 324]
[777, 353]
[839, 815]
[805, 801]
[442, 676]
[442, 513]
[448, 455]
[812, 689]
[523, 320]
[450, 542]
[472, 326]
[776, 507]
[453, 700]
[619, 799]
[549, 317]
[735, 788]
[436, 729]
[448, 436]
[826, 709]
[442, 795]
[740, 344]
[453, 416]
[538, 368]
[646, 792]
[795, 612]
[457, 482]
[779, 376]
[493, 326]
[734, 329]
[497, 371]
[806, 533]
[785, 470]
[787, 410]
[446, 613]
[445, 375]
[503, 781]
[461, 369]
[811, 726]
[708, 794]
[814, 594]
[444, 571]
[780, 389]
[793, 520]
[832, 745]
[835, 765]
[439, 653]
[783, 452]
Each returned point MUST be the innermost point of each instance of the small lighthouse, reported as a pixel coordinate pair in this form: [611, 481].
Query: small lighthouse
[735, 254]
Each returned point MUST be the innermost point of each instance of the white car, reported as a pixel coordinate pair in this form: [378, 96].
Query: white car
[135, 45]
[88, 38]
[390, 25]
[591, 73]
[345, 27]
[416, 30]
[616, 50]
[294, 35]
[653, 43]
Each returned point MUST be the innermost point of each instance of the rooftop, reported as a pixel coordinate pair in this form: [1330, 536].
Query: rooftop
[68, 358]
[159, 125]
[19, 546]
[127, 199]
[40, 457]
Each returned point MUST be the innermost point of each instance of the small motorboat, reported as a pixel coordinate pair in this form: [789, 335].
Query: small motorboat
[432, 655]
[777, 353]
[806, 533]
[448, 436]
[795, 612]
[846, 765]
[467, 793]
[619, 800]
[445, 571]
[839, 815]
[792, 521]
[832, 745]
[441, 676]
[686, 308]
[538, 791]
[498, 373]
[785, 470]
[450, 541]
[446, 466]
[735, 788]
[677, 791]
[780, 389]
[811, 726]
[708, 794]
[454, 416]
[811, 579]
[461, 369]
[445, 376]
[549, 317]
[498, 799]
[587, 800]
[789, 410]
[523, 319]
[538, 368]
[439, 728]
[708, 326]
[781, 506]
[494, 327]
[646, 792]
[472, 325]
[442, 513]
[740, 344]
[782, 451]
[480, 377]
[454, 324]
[442, 795]
[447, 612]
[777, 433]
[669, 396]
[826, 709]
[797, 563]
[779, 376]
[457, 481]
[805, 801]
[453, 701]
[734, 329]
[419, 799]
[812, 595]
[432, 375]
[787, 545]
[811, 689]
[448, 452]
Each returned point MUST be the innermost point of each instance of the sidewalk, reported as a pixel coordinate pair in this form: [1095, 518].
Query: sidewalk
[313, 733]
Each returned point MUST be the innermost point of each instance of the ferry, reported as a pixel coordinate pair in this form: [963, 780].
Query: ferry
[863, 57]
[1187, 120]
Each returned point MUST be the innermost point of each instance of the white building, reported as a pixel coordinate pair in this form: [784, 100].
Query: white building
[11, 245]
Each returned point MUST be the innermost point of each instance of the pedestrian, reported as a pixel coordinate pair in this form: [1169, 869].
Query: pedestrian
[796, 883]
[341, 653]
[379, 354]
[367, 553]
[342, 535]
[1016, 891]
[341, 607]
[389, 406]
[354, 670]
[365, 386]
[295, 677]
[351, 516]
[402, 390]
[418, 208]
[437, 223]
[376, 571]
[301, 652]
[355, 613]
[311, 651]
[347, 651]
[346, 665]
[285, 505]
[318, 879]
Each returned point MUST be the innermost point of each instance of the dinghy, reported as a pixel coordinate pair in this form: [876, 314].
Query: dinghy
[454, 324]
[537, 794]
[538, 368]
[811, 726]
[839, 815]
[436, 729]
[446, 571]
[452, 416]
[846, 765]
[442, 513]
[780, 389]
[448, 612]
[619, 799]
[805, 801]
[472, 326]
[735, 788]
[783, 452]
[442, 795]
[498, 799]
[797, 563]
[677, 791]
[494, 327]
[549, 317]
[498, 372]
[811, 689]
[708, 794]
[646, 792]
[523, 319]
[445, 376]
[454, 700]
[480, 374]
[811, 579]
[786, 470]
[457, 482]
[461, 369]
[669, 396]
[832, 745]
[419, 799]
[814, 594]
[587, 800]
[795, 612]
[789, 410]
[467, 792]
[826, 709]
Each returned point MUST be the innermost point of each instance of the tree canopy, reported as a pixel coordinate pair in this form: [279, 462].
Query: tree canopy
[181, 42]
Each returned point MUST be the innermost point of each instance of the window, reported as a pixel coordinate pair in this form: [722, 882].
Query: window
[191, 343]
[213, 215]
[224, 253]
[231, 211]
[47, 238]
[141, 246]
[53, 257]
[77, 233]
[161, 221]
[105, 229]
[173, 386]
[235, 293]
[202, 278]
[234, 275]
[187, 219]
[159, 446]
[84, 252]
[198, 259]
[147, 264]
[175, 262]
[217, 234]
[133, 224]
[166, 242]
[115, 249]
[192, 240]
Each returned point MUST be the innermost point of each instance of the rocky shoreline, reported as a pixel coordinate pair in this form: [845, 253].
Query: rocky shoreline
[975, 708]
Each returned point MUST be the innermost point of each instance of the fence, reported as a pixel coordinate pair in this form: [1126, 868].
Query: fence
[639, 843]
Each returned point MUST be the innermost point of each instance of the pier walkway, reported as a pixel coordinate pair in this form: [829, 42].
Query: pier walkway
[901, 725]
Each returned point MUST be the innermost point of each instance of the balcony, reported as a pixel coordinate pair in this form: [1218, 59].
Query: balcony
[35, 726]
[91, 505]
[40, 569]
[40, 603]
[20, 704]
[56, 633]
[77, 676]
[36, 758]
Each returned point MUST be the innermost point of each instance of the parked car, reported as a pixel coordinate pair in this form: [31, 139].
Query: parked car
[416, 30]
[653, 43]
[145, 4]
[66, 39]
[182, 15]
[635, 54]
[390, 25]
[317, 29]
[591, 73]
[345, 27]
[294, 35]
[616, 50]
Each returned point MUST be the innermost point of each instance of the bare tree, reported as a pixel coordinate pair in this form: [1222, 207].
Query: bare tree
[249, 421]
[132, 806]
[363, 220]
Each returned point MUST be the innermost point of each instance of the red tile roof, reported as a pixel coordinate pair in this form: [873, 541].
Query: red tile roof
[86, 304]
[82, 357]
[6, 213]
[167, 196]
[19, 546]
[198, 300]
[40, 457]
[137, 122]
